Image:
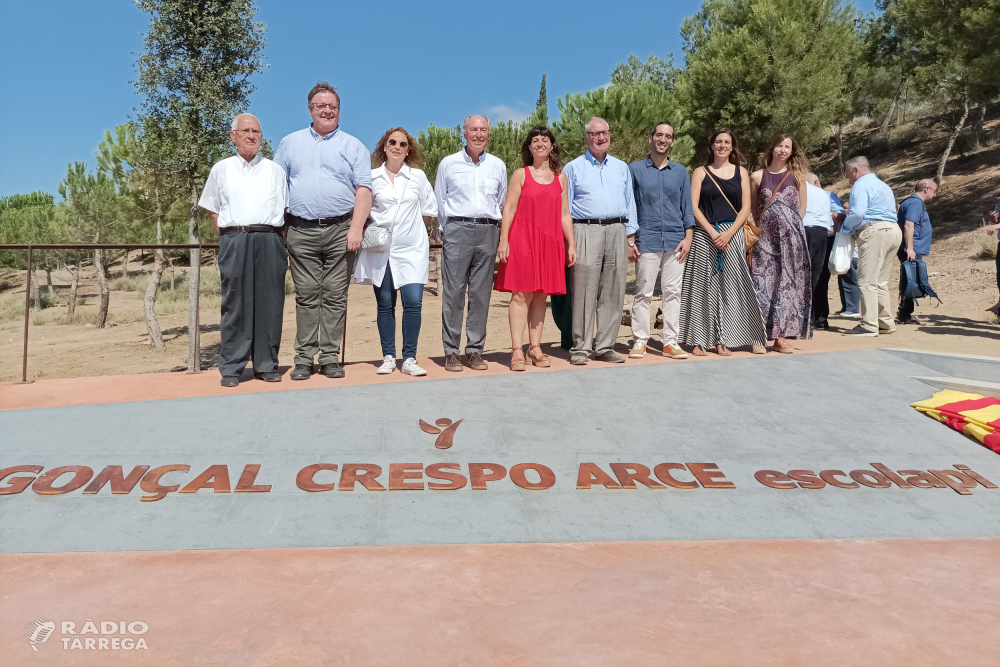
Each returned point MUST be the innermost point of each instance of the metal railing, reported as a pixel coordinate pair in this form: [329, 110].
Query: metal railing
[29, 248]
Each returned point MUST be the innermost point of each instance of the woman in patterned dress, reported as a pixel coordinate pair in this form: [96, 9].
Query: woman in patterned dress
[781, 272]
[718, 304]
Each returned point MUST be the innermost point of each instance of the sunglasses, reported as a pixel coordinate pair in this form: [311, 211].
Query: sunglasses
[402, 144]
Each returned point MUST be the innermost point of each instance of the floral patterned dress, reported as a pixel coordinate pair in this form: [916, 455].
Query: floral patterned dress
[782, 275]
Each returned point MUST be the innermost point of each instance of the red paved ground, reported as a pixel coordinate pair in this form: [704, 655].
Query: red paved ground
[777, 602]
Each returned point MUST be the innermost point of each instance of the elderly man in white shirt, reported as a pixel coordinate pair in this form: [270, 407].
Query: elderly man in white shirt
[471, 187]
[818, 222]
[246, 196]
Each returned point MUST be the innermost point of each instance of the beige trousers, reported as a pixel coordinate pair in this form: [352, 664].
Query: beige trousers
[671, 276]
[877, 243]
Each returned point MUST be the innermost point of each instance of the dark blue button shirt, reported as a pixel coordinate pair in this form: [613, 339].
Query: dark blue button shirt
[663, 204]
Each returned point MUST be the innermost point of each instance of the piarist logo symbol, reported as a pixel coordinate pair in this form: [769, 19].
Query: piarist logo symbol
[39, 632]
[447, 436]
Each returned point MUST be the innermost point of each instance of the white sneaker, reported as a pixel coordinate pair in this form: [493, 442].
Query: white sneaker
[410, 367]
[388, 365]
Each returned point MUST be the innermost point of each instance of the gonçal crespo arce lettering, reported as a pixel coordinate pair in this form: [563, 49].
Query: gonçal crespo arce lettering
[157, 482]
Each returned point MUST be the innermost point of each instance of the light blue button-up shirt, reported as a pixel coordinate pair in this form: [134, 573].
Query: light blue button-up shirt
[871, 199]
[601, 189]
[324, 173]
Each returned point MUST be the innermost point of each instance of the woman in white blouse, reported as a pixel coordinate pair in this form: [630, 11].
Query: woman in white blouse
[402, 199]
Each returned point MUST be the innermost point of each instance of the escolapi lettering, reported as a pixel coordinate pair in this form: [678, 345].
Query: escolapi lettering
[103, 642]
[158, 482]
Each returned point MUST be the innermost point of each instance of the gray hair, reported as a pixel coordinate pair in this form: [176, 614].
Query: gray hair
[814, 179]
[243, 115]
[925, 183]
[860, 162]
[586, 127]
[465, 123]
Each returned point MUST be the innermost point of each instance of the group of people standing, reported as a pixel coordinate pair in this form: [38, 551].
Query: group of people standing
[564, 233]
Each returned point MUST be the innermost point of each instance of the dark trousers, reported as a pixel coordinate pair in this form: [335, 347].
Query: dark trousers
[252, 273]
[850, 291]
[321, 269]
[906, 304]
[562, 312]
[820, 245]
[385, 298]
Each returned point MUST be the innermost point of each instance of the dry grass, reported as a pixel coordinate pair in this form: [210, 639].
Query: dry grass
[985, 245]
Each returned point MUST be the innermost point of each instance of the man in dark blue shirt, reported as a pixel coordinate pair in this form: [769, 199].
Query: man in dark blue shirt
[662, 195]
[916, 227]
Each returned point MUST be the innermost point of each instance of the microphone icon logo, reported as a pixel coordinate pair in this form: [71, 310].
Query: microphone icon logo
[39, 632]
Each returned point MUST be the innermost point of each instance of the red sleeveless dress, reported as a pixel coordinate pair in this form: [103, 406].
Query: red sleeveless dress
[537, 260]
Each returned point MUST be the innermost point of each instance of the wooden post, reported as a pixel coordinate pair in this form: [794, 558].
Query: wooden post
[27, 310]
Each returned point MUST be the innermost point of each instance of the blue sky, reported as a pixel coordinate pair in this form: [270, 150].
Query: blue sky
[65, 66]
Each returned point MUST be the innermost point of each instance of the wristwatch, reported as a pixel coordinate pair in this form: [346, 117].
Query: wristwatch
[631, 243]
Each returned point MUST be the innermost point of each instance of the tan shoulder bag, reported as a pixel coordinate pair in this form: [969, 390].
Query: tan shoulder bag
[751, 232]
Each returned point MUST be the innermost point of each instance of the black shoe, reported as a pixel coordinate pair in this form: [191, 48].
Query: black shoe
[821, 325]
[268, 377]
[332, 370]
[230, 381]
[475, 361]
[301, 372]
[453, 363]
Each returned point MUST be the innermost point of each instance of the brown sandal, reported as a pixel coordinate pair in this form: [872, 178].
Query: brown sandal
[517, 364]
[759, 349]
[783, 348]
[722, 350]
[699, 351]
[542, 361]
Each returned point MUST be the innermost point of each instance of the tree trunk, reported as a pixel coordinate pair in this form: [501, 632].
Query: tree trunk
[149, 304]
[74, 283]
[977, 127]
[36, 295]
[48, 281]
[884, 129]
[194, 360]
[951, 139]
[840, 149]
[102, 281]
[125, 265]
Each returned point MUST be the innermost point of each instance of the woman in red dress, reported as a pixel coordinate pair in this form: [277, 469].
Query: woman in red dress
[536, 243]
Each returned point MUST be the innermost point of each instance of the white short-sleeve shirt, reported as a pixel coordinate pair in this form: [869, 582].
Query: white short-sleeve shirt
[246, 193]
[399, 206]
[817, 208]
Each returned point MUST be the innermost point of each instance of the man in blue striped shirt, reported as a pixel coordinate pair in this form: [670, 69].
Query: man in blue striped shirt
[872, 221]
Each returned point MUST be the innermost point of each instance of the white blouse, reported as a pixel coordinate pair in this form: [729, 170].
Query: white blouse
[399, 207]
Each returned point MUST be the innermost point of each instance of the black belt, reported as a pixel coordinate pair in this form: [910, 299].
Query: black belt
[296, 221]
[250, 229]
[478, 221]
[600, 221]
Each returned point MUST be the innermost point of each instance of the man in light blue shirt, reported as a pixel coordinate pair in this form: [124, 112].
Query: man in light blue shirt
[603, 210]
[872, 221]
[329, 197]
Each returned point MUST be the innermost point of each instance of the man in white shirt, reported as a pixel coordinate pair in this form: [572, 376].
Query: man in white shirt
[246, 196]
[818, 222]
[470, 188]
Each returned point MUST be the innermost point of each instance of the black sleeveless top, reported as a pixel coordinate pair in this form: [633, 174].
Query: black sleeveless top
[713, 205]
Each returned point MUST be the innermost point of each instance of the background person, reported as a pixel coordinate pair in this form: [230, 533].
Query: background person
[470, 188]
[818, 223]
[661, 190]
[847, 283]
[402, 202]
[782, 275]
[719, 307]
[872, 220]
[246, 196]
[600, 200]
[992, 229]
[915, 224]
[536, 243]
[329, 197]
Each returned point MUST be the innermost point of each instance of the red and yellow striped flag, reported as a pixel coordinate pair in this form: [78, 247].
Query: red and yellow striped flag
[972, 414]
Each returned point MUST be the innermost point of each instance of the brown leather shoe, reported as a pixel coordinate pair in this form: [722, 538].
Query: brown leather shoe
[453, 363]
[475, 361]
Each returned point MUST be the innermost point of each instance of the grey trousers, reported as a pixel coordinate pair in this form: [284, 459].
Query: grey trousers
[470, 251]
[321, 268]
[252, 274]
[598, 286]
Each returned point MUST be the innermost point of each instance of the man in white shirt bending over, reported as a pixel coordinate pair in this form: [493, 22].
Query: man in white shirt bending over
[818, 222]
[470, 188]
[246, 196]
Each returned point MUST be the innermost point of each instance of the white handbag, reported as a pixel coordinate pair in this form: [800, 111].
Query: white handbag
[842, 254]
[379, 238]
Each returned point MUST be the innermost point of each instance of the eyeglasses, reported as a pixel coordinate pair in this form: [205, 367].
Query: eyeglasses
[663, 136]
[244, 133]
[325, 107]
[402, 144]
[599, 134]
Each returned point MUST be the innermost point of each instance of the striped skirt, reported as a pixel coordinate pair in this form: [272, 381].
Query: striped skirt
[719, 306]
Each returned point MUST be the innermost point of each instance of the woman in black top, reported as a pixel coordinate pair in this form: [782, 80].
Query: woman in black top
[719, 307]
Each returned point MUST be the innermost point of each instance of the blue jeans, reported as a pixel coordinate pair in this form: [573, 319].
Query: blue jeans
[385, 297]
[850, 291]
